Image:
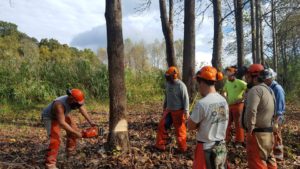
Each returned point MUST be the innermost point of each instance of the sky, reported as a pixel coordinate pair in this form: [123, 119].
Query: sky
[81, 23]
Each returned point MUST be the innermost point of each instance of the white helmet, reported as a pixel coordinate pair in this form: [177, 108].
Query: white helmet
[270, 74]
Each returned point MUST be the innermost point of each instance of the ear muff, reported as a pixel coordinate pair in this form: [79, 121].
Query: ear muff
[219, 76]
[68, 92]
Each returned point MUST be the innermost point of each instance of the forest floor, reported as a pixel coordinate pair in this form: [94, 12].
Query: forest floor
[23, 143]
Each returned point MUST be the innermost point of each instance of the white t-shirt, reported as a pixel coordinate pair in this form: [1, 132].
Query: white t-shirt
[212, 114]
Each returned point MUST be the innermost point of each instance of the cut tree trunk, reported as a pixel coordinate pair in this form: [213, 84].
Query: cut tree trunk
[118, 127]
[258, 30]
[253, 30]
[274, 36]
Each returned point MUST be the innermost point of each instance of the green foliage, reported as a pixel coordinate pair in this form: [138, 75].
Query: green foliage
[35, 72]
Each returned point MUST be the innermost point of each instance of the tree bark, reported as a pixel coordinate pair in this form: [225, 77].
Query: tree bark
[239, 32]
[118, 127]
[167, 28]
[188, 69]
[258, 30]
[218, 35]
[274, 36]
[253, 30]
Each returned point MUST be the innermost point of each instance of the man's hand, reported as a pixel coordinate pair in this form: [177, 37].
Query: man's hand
[78, 134]
[93, 124]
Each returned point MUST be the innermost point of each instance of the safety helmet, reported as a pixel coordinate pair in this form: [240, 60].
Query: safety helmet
[255, 69]
[209, 73]
[269, 73]
[172, 71]
[76, 94]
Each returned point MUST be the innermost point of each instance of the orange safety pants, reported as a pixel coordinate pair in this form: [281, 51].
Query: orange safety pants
[178, 119]
[254, 152]
[235, 112]
[53, 148]
[203, 159]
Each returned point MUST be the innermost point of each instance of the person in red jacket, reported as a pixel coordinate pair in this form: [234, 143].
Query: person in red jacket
[56, 116]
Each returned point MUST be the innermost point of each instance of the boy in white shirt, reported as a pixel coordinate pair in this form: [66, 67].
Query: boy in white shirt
[210, 118]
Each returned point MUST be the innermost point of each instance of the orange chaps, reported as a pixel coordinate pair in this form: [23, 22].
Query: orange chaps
[255, 152]
[235, 111]
[54, 144]
[177, 118]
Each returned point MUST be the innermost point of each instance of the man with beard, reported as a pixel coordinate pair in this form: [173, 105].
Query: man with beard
[258, 120]
[270, 76]
[234, 90]
[176, 110]
[56, 116]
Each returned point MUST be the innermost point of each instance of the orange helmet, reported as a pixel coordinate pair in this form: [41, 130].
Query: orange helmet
[77, 95]
[172, 71]
[209, 73]
[255, 69]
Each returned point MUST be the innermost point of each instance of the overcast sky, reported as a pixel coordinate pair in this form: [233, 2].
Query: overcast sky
[81, 23]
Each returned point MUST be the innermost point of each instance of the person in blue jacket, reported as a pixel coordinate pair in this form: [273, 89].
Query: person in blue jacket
[270, 77]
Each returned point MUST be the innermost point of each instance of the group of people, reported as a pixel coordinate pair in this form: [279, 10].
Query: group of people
[255, 107]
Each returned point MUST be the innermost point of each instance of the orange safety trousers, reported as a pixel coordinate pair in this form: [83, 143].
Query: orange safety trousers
[53, 148]
[253, 155]
[200, 159]
[178, 120]
[235, 111]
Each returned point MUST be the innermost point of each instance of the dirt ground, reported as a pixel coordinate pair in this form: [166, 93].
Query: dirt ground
[23, 144]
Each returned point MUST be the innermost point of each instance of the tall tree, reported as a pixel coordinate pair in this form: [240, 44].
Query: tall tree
[238, 6]
[274, 37]
[118, 126]
[253, 30]
[188, 69]
[218, 35]
[167, 28]
[258, 31]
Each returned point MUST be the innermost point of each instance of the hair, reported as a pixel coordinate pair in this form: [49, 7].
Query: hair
[208, 82]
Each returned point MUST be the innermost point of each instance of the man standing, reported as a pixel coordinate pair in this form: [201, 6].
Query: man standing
[56, 116]
[258, 121]
[210, 118]
[270, 76]
[176, 110]
[234, 90]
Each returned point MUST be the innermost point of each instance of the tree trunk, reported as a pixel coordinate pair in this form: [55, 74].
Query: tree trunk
[188, 69]
[239, 32]
[253, 31]
[258, 30]
[118, 127]
[274, 37]
[218, 35]
[167, 28]
[217, 42]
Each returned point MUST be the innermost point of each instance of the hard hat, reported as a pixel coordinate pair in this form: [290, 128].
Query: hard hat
[255, 69]
[172, 71]
[76, 94]
[209, 73]
[270, 74]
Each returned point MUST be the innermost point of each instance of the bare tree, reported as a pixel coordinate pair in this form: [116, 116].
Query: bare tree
[188, 70]
[118, 126]
[258, 19]
[238, 6]
[167, 28]
[218, 35]
[274, 37]
[253, 30]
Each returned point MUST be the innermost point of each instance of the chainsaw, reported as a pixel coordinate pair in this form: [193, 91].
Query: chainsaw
[92, 132]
